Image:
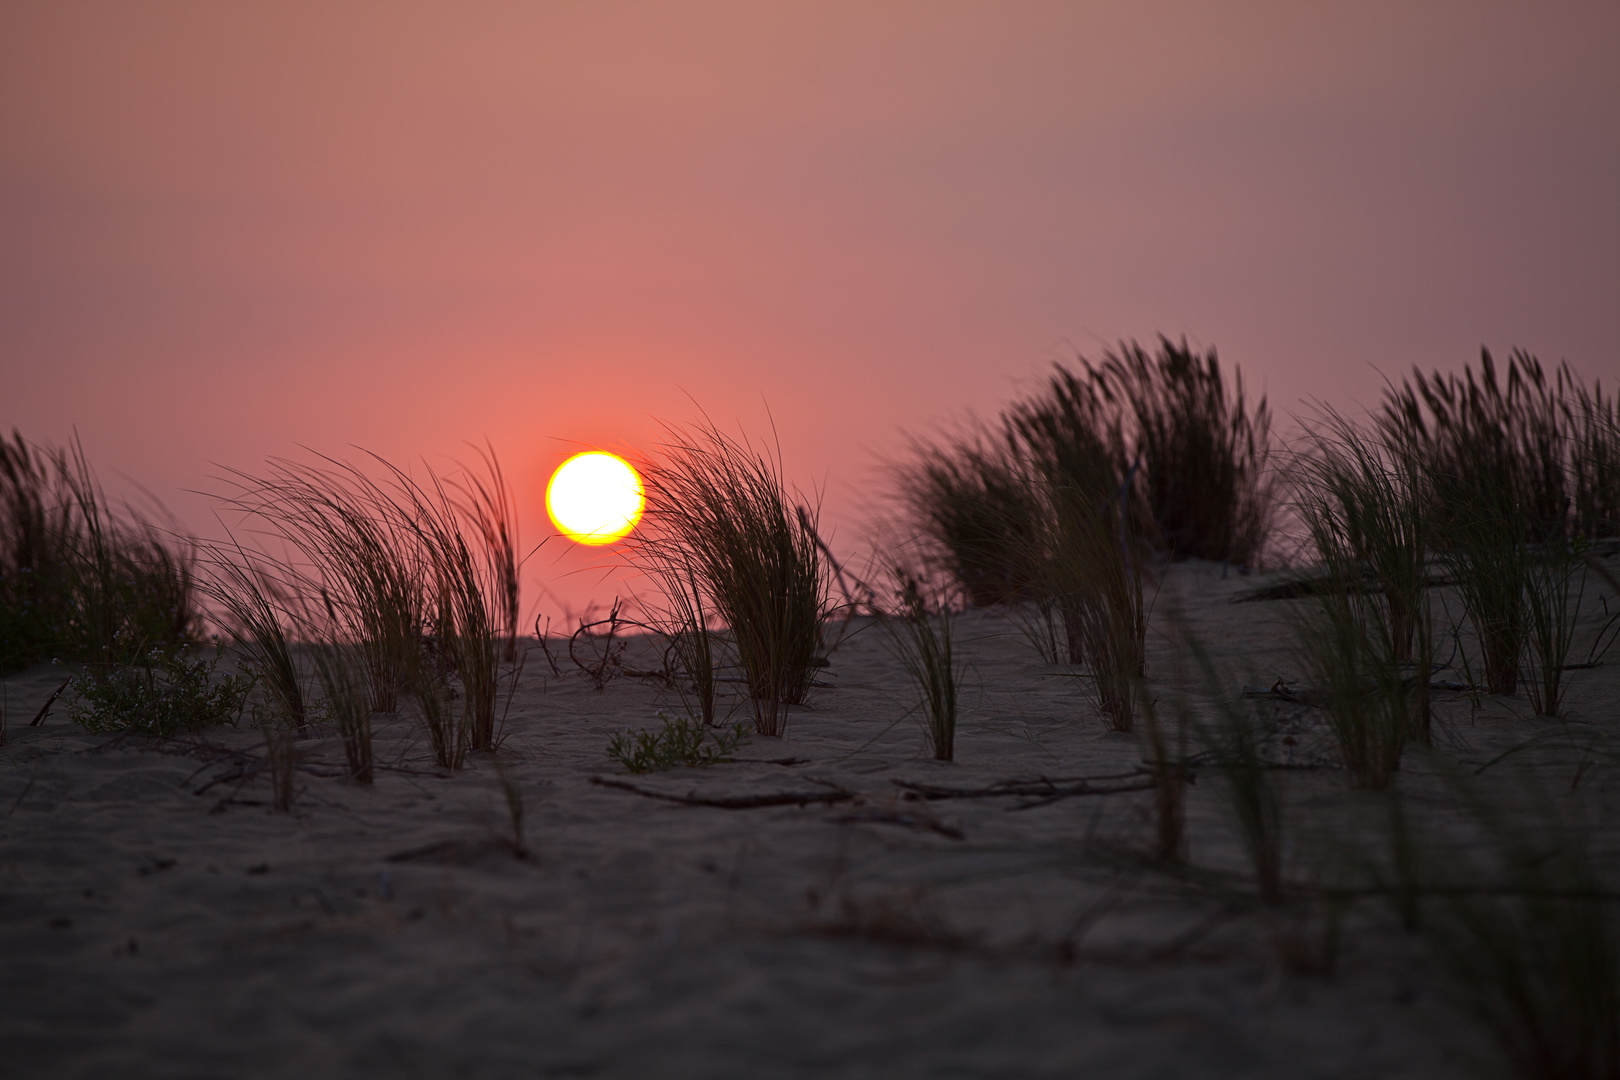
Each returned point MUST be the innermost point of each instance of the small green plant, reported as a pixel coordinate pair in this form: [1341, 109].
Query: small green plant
[683, 743]
[165, 693]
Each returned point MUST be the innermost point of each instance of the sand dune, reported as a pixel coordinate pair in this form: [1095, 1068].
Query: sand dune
[158, 918]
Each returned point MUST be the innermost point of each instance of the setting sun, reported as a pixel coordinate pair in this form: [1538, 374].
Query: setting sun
[595, 498]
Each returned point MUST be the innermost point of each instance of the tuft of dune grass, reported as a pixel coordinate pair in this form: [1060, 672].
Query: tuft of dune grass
[79, 580]
[410, 583]
[722, 516]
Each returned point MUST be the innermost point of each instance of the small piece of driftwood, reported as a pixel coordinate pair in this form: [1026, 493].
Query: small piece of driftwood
[1280, 691]
[39, 717]
[1042, 788]
[732, 802]
[1296, 588]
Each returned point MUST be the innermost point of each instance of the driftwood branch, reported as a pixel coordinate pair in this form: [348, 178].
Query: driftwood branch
[1042, 789]
[39, 718]
[732, 802]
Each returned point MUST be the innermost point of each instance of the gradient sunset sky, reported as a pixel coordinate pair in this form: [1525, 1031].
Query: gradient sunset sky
[228, 230]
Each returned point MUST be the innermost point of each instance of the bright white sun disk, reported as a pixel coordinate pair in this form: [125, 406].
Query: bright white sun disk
[595, 498]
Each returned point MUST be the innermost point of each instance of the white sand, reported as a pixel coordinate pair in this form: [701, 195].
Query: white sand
[149, 931]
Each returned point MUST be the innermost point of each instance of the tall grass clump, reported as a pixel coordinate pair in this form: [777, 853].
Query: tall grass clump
[696, 647]
[467, 578]
[1366, 639]
[366, 573]
[77, 580]
[1547, 447]
[721, 511]
[1203, 485]
[1555, 584]
[1204, 454]
[969, 499]
[488, 504]
[1593, 422]
[1086, 550]
[417, 578]
[922, 637]
[1522, 469]
[254, 607]
[347, 702]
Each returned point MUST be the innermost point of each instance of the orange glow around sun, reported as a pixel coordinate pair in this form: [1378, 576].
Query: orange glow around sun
[595, 498]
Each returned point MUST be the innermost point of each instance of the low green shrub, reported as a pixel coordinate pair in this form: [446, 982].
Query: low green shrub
[683, 743]
[163, 694]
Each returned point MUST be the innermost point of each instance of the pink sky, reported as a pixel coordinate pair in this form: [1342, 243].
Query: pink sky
[228, 230]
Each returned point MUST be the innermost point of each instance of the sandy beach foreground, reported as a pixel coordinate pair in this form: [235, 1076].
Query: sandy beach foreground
[158, 918]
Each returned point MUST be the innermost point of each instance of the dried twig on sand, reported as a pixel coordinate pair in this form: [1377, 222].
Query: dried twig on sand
[1041, 788]
[734, 802]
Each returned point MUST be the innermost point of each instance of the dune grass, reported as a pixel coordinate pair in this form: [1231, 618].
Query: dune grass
[1555, 585]
[1482, 548]
[417, 577]
[1086, 549]
[721, 512]
[1516, 440]
[969, 499]
[1204, 454]
[79, 581]
[1367, 641]
[255, 610]
[281, 760]
[695, 647]
[1521, 469]
[1060, 506]
[921, 635]
[1203, 484]
[1166, 753]
[1593, 425]
[347, 704]
[488, 504]
[355, 563]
